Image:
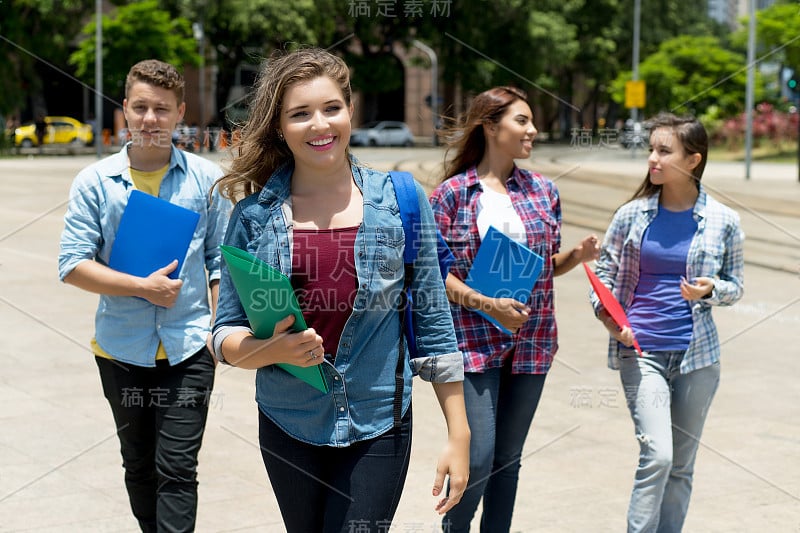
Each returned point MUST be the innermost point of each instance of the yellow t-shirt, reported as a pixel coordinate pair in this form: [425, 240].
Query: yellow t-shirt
[150, 183]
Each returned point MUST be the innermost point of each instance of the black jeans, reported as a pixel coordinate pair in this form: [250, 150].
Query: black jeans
[323, 489]
[160, 415]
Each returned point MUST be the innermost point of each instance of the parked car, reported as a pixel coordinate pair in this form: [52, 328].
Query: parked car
[60, 130]
[382, 133]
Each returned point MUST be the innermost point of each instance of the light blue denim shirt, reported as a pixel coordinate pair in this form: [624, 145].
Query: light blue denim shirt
[361, 379]
[131, 328]
[716, 251]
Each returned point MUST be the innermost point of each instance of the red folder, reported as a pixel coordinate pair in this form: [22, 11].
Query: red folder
[610, 303]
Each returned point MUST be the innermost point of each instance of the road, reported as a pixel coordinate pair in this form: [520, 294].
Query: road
[59, 460]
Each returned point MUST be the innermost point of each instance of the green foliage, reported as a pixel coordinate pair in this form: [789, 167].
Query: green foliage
[382, 71]
[30, 30]
[244, 32]
[567, 54]
[134, 32]
[270, 23]
[552, 36]
[660, 20]
[777, 30]
[689, 75]
[365, 38]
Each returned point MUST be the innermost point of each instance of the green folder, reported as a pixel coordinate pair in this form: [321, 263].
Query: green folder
[268, 297]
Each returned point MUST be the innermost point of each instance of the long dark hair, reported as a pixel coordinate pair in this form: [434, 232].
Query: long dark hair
[466, 138]
[692, 136]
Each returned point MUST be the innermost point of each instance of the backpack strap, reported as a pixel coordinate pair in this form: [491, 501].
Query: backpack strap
[399, 370]
[408, 204]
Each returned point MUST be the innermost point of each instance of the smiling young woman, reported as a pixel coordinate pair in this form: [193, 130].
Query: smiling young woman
[504, 372]
[336, 460]
[315, 124]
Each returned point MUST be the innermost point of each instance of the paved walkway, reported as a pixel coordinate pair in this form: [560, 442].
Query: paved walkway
[59, 461]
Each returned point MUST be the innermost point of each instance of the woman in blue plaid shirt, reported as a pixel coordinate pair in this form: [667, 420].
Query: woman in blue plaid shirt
[670, 254]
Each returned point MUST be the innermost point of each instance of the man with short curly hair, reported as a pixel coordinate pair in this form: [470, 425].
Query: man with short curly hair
[151, 331]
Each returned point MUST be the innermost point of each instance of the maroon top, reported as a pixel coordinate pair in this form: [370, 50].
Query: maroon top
[324, 279]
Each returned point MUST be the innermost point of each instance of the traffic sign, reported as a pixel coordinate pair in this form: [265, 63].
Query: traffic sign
[634, 94]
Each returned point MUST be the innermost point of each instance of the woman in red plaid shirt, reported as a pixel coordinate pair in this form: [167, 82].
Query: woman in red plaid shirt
[504, 373]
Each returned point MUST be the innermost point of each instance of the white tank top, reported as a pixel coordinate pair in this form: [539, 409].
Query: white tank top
[495, 209]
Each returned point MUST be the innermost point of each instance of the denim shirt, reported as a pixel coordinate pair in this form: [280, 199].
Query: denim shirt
[361, 378]
[130, 328]
[716, 251]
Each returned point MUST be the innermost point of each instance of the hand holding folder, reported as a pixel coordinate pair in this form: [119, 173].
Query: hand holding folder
[503, 268]
[267, 297]
[152, 233]
[610, 304]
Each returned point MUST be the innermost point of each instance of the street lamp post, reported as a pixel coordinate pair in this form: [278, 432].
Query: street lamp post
[199, 35]
[434, 84]
[98, 78]
[748, 97]
[637, 15]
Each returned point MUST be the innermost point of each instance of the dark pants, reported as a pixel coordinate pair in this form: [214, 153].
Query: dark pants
[160, 415]
[323, 489]
[500, 408]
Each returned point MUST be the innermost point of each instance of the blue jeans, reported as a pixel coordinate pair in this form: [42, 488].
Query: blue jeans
[160, 415]
[500, 409]
[330, 490]
[669, 410]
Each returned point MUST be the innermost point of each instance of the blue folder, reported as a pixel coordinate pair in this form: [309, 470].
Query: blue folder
[152, 233]
[503, 268]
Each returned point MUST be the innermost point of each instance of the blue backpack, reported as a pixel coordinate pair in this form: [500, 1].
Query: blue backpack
[407, 200]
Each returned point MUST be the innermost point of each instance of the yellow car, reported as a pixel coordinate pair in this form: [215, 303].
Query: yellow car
[60, 130]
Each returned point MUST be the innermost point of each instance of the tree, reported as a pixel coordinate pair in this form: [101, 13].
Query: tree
[575, 59]
[132, 33]
[555, 39]
[778, 28]
[661, 20]
[35, 36]
[526, 45]
[690, 75]
[777, 31]
[597, 61]
[367, 38]
[245, 32]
